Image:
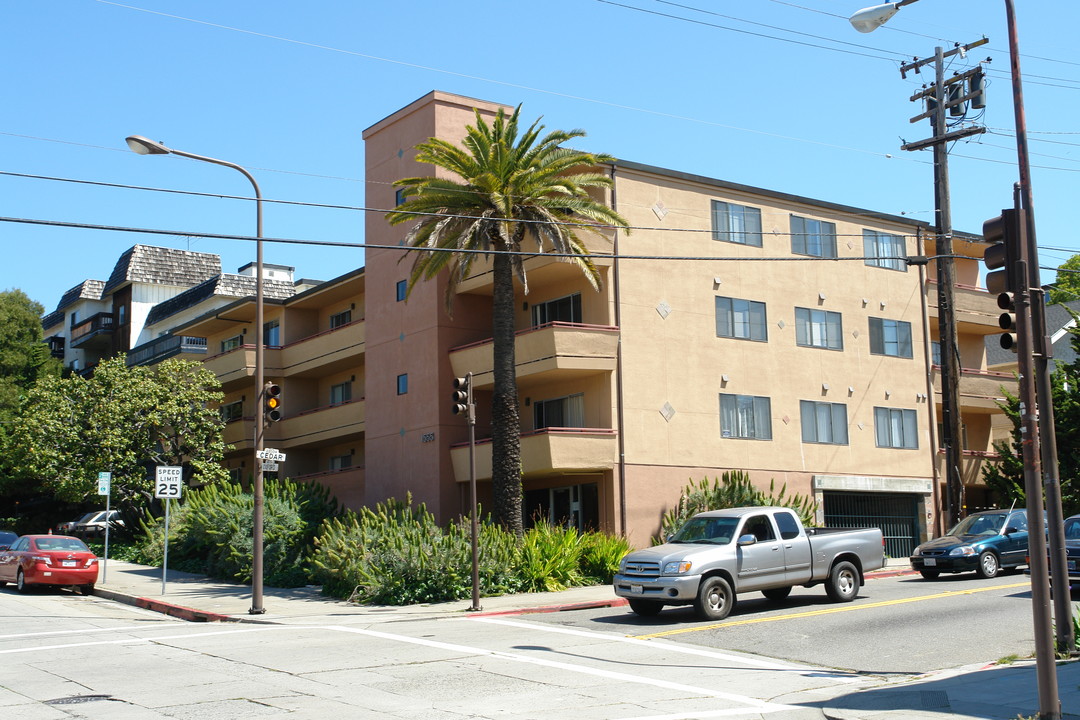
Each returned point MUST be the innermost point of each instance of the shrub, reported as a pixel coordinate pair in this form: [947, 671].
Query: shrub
[732, 489]
[211, 531]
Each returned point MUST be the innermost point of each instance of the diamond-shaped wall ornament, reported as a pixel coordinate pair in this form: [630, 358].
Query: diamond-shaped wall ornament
[786, 419]
[860, 426]
[667, 411]
[780, 324]
[664, 309]
[659, 210]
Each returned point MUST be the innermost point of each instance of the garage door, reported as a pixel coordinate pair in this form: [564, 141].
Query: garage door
[896, 514]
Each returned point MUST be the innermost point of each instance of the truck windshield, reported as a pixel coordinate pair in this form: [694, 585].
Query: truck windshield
[715, 531]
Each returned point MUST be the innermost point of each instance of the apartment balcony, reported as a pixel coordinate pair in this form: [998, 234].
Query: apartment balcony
[541, 269]
[325, 353]
[236, 367]
[238, 433]
[165, 347]
[96, 332]
[980, 390]
[971, 465]
[559, 350]
[976, 310]
[321, 426]
[546, 452]
[346, 484]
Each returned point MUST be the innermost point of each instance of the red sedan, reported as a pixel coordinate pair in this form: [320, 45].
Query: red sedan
[48, 560]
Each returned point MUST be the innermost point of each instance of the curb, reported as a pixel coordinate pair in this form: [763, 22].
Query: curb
[588, 605]
[166, 608]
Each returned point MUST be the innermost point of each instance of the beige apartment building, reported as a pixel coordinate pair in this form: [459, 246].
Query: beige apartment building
[736, 328]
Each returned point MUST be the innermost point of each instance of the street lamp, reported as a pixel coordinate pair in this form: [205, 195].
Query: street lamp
[145, 146]
[867, 20]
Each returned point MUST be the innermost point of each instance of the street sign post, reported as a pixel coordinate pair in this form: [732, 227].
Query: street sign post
[104, 487]
[168, 484]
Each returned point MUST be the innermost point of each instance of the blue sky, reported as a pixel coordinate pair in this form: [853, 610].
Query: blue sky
[780, 95]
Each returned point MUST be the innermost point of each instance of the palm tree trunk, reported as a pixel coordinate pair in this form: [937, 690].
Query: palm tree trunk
[505, 423]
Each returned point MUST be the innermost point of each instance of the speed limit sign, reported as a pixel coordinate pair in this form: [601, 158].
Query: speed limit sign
[168, 482]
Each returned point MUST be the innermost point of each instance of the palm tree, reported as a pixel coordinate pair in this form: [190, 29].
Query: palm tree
[508, 188]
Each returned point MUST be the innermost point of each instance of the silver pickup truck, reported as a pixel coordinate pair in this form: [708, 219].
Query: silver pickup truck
[721, 553]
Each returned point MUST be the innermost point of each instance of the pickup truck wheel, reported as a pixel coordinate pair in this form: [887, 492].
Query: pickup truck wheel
[843, 583]
[646, 608]
[988, 565]
[777, 594]
[930, 574]
[715, 599]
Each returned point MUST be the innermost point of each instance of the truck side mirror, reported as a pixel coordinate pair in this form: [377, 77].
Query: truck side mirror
[748, 539]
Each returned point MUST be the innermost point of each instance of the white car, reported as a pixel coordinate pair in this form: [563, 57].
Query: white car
[93, 524]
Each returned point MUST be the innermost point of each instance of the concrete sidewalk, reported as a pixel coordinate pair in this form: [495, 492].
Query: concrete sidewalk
[980, 692]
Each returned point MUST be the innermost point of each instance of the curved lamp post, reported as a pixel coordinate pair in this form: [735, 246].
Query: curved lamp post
[867, 20]
[145, 146]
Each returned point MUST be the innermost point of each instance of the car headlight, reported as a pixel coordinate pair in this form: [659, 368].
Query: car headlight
[917, 550]
[678, 567]
[962, 550]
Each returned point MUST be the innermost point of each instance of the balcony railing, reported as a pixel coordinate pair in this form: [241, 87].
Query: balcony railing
[102, 323]
[165, 347]
[546, 451]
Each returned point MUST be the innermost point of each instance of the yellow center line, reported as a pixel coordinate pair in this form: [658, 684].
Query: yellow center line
[827, 611]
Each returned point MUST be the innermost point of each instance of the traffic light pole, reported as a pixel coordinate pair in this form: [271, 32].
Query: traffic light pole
[1041, 348]
[462, 402]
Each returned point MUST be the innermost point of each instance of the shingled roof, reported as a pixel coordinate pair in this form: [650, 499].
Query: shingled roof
[86, 290]
[163, 266]
[226, 285]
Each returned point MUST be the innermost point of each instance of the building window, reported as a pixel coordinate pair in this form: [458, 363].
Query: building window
[813, 237]
[896, 428]
[890, 337]
[736, 223]
[340, 462]
[560, 412]
[271, 334]
[399, 196]
[823, 422]
[743, 319]
[340, 393]
[342, 318]
[566, 309]
[884, 250]
[403, 384]
[232, 411]
[819, 328]
[402, 289]
[745, 416]
[935, 352]
[232, 343]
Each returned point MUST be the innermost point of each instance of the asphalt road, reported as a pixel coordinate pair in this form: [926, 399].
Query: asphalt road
[64, 655]
[897, 626]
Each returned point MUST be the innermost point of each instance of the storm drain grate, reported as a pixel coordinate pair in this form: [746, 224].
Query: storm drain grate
[934, 699]
[76, 699]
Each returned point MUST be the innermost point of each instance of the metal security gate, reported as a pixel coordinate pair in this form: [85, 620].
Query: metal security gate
[896, 514]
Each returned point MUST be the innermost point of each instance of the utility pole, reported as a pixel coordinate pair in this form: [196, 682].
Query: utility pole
[952, 95]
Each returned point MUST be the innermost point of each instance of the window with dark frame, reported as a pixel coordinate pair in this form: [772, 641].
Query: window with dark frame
[745, 416]
[819, 329]
[401, 289]
[341, 393]
[736, 223]
[403, 384]
[816, 238]
[565, 309]
[342, 318]
[884, 250]
[823, 422]
[741, 319]
[896, 428]
[890, 337]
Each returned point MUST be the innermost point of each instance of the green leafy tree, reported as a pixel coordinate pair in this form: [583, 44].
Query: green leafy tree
[1067, 285]
[508, 189]
[1007, 477]
[23, 355]
[122, 420]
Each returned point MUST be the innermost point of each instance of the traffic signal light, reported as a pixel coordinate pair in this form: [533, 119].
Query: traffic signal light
[272, 402]
[1004, 258]
[461, 398]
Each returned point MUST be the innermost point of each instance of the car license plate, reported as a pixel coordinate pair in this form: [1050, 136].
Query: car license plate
[930, 562]
[637, 589]
[67, 563]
